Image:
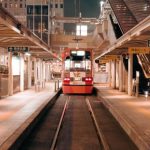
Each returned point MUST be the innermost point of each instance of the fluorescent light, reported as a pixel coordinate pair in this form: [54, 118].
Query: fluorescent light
[27, 54]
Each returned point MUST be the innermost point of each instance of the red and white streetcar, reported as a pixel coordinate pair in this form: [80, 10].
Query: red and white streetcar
[77, 71]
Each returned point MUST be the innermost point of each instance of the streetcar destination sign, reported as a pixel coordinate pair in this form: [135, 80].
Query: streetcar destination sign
[18, 49]
[139, 50]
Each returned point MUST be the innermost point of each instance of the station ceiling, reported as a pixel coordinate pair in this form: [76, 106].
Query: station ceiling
[12, 33]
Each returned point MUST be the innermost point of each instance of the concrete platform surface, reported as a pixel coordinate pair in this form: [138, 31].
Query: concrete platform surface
[133, 114]
[17, 111]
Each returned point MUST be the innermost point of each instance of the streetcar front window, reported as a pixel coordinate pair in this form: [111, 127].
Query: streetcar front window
[78, 61]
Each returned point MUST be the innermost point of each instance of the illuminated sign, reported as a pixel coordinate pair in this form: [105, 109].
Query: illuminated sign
[108, 58]
[18, 49]
[139, 50]
[104, 61]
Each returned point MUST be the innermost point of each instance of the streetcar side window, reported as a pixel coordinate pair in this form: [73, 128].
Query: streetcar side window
[87, 55]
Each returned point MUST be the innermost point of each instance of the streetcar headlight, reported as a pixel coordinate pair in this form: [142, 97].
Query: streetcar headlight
[66, 79]
[88, 79]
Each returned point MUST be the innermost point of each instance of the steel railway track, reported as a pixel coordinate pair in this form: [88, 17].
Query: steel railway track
[77, 122]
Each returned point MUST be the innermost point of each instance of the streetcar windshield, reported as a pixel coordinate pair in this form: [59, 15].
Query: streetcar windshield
[78, 61]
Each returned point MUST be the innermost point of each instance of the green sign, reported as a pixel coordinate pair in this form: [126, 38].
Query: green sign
[18, 49]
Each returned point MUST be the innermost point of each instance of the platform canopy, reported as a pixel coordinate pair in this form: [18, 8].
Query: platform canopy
[14, 34]
[138, 36]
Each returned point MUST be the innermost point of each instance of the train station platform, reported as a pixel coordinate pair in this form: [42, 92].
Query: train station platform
[19, 110]
[133, 114]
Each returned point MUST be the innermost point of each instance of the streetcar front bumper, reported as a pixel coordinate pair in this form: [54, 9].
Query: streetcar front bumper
[77, 89]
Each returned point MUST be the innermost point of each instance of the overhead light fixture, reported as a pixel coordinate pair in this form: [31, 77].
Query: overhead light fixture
[101, 4]
[27, 54]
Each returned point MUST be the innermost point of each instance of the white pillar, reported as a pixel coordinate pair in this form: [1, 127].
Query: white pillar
[29, 71]
[41, 73]
[125, 79]
[47, 72]
[35, 74]
[113, 74]
[10, 77]
[117, 74]
[107, 71]
[109, 74]
[130, 73]
[21, 72]
[38, 70]
[50, 73]
[121, 74]
[44, 76]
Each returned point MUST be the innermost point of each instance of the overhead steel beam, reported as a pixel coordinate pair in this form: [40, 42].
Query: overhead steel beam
[60, 19]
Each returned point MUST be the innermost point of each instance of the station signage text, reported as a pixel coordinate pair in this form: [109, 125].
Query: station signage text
[139, 50]
[18, 49]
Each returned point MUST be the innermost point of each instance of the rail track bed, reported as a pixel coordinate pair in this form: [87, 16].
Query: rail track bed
[114, 136]
[78, 131]
[77, 122]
